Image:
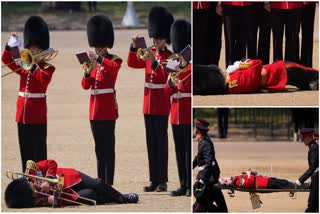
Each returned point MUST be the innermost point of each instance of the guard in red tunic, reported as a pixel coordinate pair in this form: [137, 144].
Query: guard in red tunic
[285, 15]
[20, 194]
[103, 110]
[307, 30]
[31, 114]
[251, 76]
[156, 106]
[180, 118]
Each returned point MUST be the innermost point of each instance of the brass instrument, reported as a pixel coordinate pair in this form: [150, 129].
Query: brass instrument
[143, 53]
[59, 184]
[27, 60]
[88, 66]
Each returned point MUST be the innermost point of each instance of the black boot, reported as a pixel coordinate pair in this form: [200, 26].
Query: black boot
[151, 188]
[181, 191]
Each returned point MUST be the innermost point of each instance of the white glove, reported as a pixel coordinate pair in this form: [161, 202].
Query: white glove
[15, 41]
[233, 68]
[298, 183]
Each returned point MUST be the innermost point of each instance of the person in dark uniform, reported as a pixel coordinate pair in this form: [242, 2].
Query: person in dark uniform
[223, 121]
[285, 15]
[103, 110]
[208, 175]
[312, 171]
[156, 103]
[21, 193]
[207, 31]
[180, 113]
[307, 29]
[31, 113]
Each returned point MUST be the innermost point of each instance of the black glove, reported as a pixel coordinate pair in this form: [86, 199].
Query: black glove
[170, 83]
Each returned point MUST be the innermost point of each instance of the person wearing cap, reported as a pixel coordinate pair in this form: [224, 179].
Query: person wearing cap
[209, 172]
[31, 113]
[251, 76]
[180, 114]
[101, 79]
[156, 103]
[312, 171]
[21, 192]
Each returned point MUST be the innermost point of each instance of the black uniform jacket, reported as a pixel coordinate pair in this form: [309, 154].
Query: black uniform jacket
[206, 159]
[313, 161]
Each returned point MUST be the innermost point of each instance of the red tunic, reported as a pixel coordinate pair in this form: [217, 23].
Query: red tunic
[181, 98]
[31, 102]
[249, 80]
[156, 101]
[285, 5]
[103, 104]
[237, 3]
[200, 5]
[246, 182]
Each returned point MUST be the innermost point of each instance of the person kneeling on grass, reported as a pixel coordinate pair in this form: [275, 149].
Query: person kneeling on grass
[251, 76]
[22, 192]
[251, 180]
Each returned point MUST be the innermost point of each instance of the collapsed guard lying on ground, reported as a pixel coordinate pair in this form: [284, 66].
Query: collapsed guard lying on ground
[253, 183]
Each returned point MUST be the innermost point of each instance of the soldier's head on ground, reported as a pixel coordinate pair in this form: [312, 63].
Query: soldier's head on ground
[19, 194]
[307, 135]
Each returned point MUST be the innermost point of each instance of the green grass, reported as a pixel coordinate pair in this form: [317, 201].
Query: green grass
[109, 8]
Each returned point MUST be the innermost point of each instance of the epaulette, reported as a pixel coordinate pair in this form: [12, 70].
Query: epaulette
[115, 57]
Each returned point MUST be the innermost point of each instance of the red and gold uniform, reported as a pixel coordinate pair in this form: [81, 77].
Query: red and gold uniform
[285, 5]
[251, 182]
[102, 80]
[155, 101]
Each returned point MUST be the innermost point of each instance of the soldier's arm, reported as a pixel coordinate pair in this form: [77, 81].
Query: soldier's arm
[195, 162]
[314, 163]
[133, 60]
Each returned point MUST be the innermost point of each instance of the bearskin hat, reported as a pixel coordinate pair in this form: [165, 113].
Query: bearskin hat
[36, 32]
[100, 31]
[19, 194]
[180, 35]
[160, 20]
[208, 80]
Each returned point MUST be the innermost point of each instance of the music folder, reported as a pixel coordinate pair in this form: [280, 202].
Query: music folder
[15, 53]
[83, 57]
[186, 53]
[141, 43]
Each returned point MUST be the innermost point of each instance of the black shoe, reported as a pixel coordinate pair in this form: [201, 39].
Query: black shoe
[314, 85]
[152, 187]
[179, 192]
[131, 198]
[162, 187]
[188, 193]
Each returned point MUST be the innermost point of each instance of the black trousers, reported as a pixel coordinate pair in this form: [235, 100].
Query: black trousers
[32, 142]
[313, 200]
[211, 195]
[104, 138]
[97, 190]
[264, 26]
[182, 141]
[207, 31]
[276, 183]
[301, 76]
[290, 21]
[157, 145]
[223, 122]
[307, 28]
[240, 32]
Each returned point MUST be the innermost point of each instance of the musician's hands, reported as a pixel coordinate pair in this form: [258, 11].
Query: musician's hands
[134, 38]
[92, 55]
[51, 199]
[45, 186]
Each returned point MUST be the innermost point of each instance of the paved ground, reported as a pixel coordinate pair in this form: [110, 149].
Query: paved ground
[69, 137]
[290, 98]
[285, 160]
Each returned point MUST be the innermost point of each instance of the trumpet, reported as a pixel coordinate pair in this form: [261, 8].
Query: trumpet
[174, 76]
[56, 192]
[27, 60]
[143, 53]
[89, 65]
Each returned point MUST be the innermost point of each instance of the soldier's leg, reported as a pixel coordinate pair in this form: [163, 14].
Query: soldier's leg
[313, 200]
[277, 23]
[161, 138]
[304, 78]
[219, 200]
[98, 133]
[292, 34]
[152, 152]
[307, 29]
[25, 144]
[109, 150]
[187, 146]
[276, 183]
[264, 34]
[39, 133]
